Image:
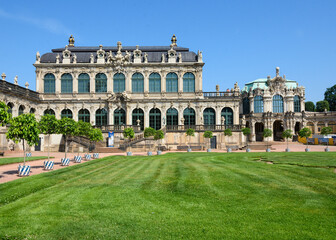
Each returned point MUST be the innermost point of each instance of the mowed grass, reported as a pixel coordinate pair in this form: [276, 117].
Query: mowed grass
[4, 161]
[176, 196]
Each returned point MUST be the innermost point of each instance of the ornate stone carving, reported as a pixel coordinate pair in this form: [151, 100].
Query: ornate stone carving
[180, 57]
[137, 54]
[171, 54]
[146, 57]
[199, 56]
[74, 59]
[3, 76]
[100, 55]
[16, 80]
[162, 58]
[91, 58]
[57, 59]
[66, 55]
[38, 57]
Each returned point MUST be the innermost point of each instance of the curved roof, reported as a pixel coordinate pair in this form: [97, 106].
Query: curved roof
[262, 83]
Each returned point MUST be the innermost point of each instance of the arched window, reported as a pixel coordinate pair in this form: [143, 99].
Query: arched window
[155, 118]
[84, 115]
[209, 116]
[49, 83]
[189, 82]
[138, 114]
[246, 105]
[21, 109]
[66, 83]
[297, 104]
[154, 82]
[66, 113]
[189, 117]
[172, 117]
[278, 106]
[83, 83]
[118, 83]
[137, 83]
[32, 110]
[101, 83]
[258, 104]
[101, 117]
[49, 111]
[171, 82]
[10, 107]
[119, 117]
[227, 113]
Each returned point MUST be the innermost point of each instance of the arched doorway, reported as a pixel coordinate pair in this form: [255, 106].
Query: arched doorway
[259, 129]
[101, 117]
[155, 118]
[227, 113]
[172, 117]
[138, 114]
[277, 130]
[297, 128]
[209, 116]
[119, 117]
[189, 117]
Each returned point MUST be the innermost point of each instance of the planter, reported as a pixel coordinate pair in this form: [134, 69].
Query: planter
[48, 165]
[87, 157]
[149, 153]
[307, 150]
[248, 150]
[24, 170]
[28, 154]
[229, 150]
[65, 161]
[326, 149]
[287, 150]
[78, 159]
[209, 150]
[95, 155]
[159, 152]
[129, 153]
[189, 150]
[268, 150]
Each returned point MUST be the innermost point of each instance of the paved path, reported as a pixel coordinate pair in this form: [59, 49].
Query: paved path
[9, 172]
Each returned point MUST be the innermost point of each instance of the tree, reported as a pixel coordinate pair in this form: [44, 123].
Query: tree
[326, 131]
[321, 106]
[330, 96]
[310, 106]
[287, 134]
[305, 132]
[246, 131]
[48, 125]
[228, 132]
[209, 135]
[84, 129]
[149, 132]
[24, 127]
[128, 133]
[67, 127]
[266, 134]
[159, 134]
[190, 133]
[95, 135]
[5, 116]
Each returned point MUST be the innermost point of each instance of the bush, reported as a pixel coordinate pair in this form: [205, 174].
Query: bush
[310, 106]
[149, 132]
[322, 105]
[208, 134]
[228, 132]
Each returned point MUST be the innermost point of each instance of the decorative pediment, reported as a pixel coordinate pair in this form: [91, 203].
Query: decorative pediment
[100, 55]
[278, 83]
[171, 54]
[137, 54]
[66, 55]
[119, 60]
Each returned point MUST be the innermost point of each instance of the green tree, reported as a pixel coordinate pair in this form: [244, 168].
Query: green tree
[159, 134]
[246, 131]
[228, 133]
[266, 134]
[322, 105]
[48, 125]
[305, 132]
[287, 134]
[209, 135]
[128, 133]
[148, 132]
[309, 106]
[67, 127]
[95, 135]
[5, 116]
[25, 128]
[326, 131]
[190, 133]
[330, 96]
[84, 129]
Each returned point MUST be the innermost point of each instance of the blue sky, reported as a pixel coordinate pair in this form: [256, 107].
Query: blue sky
[241, 40]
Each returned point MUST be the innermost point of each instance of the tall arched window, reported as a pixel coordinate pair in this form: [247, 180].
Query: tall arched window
[172, 117]
[297, 104]
[66, 83]
[101, 83]
[171, 82]
[119, 117]
[189, 117]
[21, 109]
[188, 82]
[155, 118]
[101, 117]
[258, 104]
[209, 116]
[118, 83]
[154, 82]
[138, 114]
[66, 113]
[137, 83]
[227, 113]
[49, 111]
[278, 106]
[84, 115]
[83, 83]
[246, 105]
[10, 107]
[49, 83]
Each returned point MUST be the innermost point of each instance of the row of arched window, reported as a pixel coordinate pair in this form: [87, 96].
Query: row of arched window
[189, 116]
[119, 83]
[21, 109]
[278, 104]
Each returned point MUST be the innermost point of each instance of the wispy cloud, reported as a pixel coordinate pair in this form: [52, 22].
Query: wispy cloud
[51, 25]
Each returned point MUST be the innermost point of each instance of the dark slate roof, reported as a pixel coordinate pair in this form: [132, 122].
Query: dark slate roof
[154, 53]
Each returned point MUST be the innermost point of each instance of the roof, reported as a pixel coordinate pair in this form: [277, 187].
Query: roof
[262, 83]
[154, 53]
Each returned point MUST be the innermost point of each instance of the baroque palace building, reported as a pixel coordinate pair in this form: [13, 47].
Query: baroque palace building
[159, 87]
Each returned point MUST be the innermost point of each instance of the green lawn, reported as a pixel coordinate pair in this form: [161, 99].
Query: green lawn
[177, 196]
[4, 161]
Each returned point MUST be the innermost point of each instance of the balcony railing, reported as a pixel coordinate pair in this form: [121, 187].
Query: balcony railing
[202, 128]
[118, 128]
[218, 94]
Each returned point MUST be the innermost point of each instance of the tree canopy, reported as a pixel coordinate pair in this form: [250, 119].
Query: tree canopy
[326, 131]
[330, 96]
[5, 116]
[67, 127]
[322, 105]
[149, 132]
[287, 134]
[267, 132]
[246, 131]
[228, 132]
[190, 132]
[309, 106]
[159, 134]
[208, 134]
[128, 133]
[48, 124]
[305, 132]
[95, 135]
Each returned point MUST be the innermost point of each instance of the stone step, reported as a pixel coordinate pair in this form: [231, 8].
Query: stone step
[108, 150]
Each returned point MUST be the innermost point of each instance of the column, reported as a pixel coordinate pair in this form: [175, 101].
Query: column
[128, 115]
[75, 82]
[163, 81]
[236, 114]
[58, 83]
[109, 82]
[92, 82]
[128, 82]
[92, 116]
[251, 104]
[146, 117]
[218, 115]
[75, 113]
[146, 81]
[180, 82]
[253, 136]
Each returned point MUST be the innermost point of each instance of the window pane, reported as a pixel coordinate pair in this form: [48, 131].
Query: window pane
[49, 83]
[118, 83]
[154, 82]
[83, 83]
[188, 82]
[258, 104]
[137, 83]
[101, 82]
[171, 82]
[66, 83]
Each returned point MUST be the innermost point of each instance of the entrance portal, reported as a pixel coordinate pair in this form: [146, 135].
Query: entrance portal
[277, 130]
[259, 129]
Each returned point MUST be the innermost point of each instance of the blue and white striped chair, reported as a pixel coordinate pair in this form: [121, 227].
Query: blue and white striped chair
[78, 159]
[95, 155]
[28, 154]
[24, 170]
[48, 165]
[65, 161]
[87, 156]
